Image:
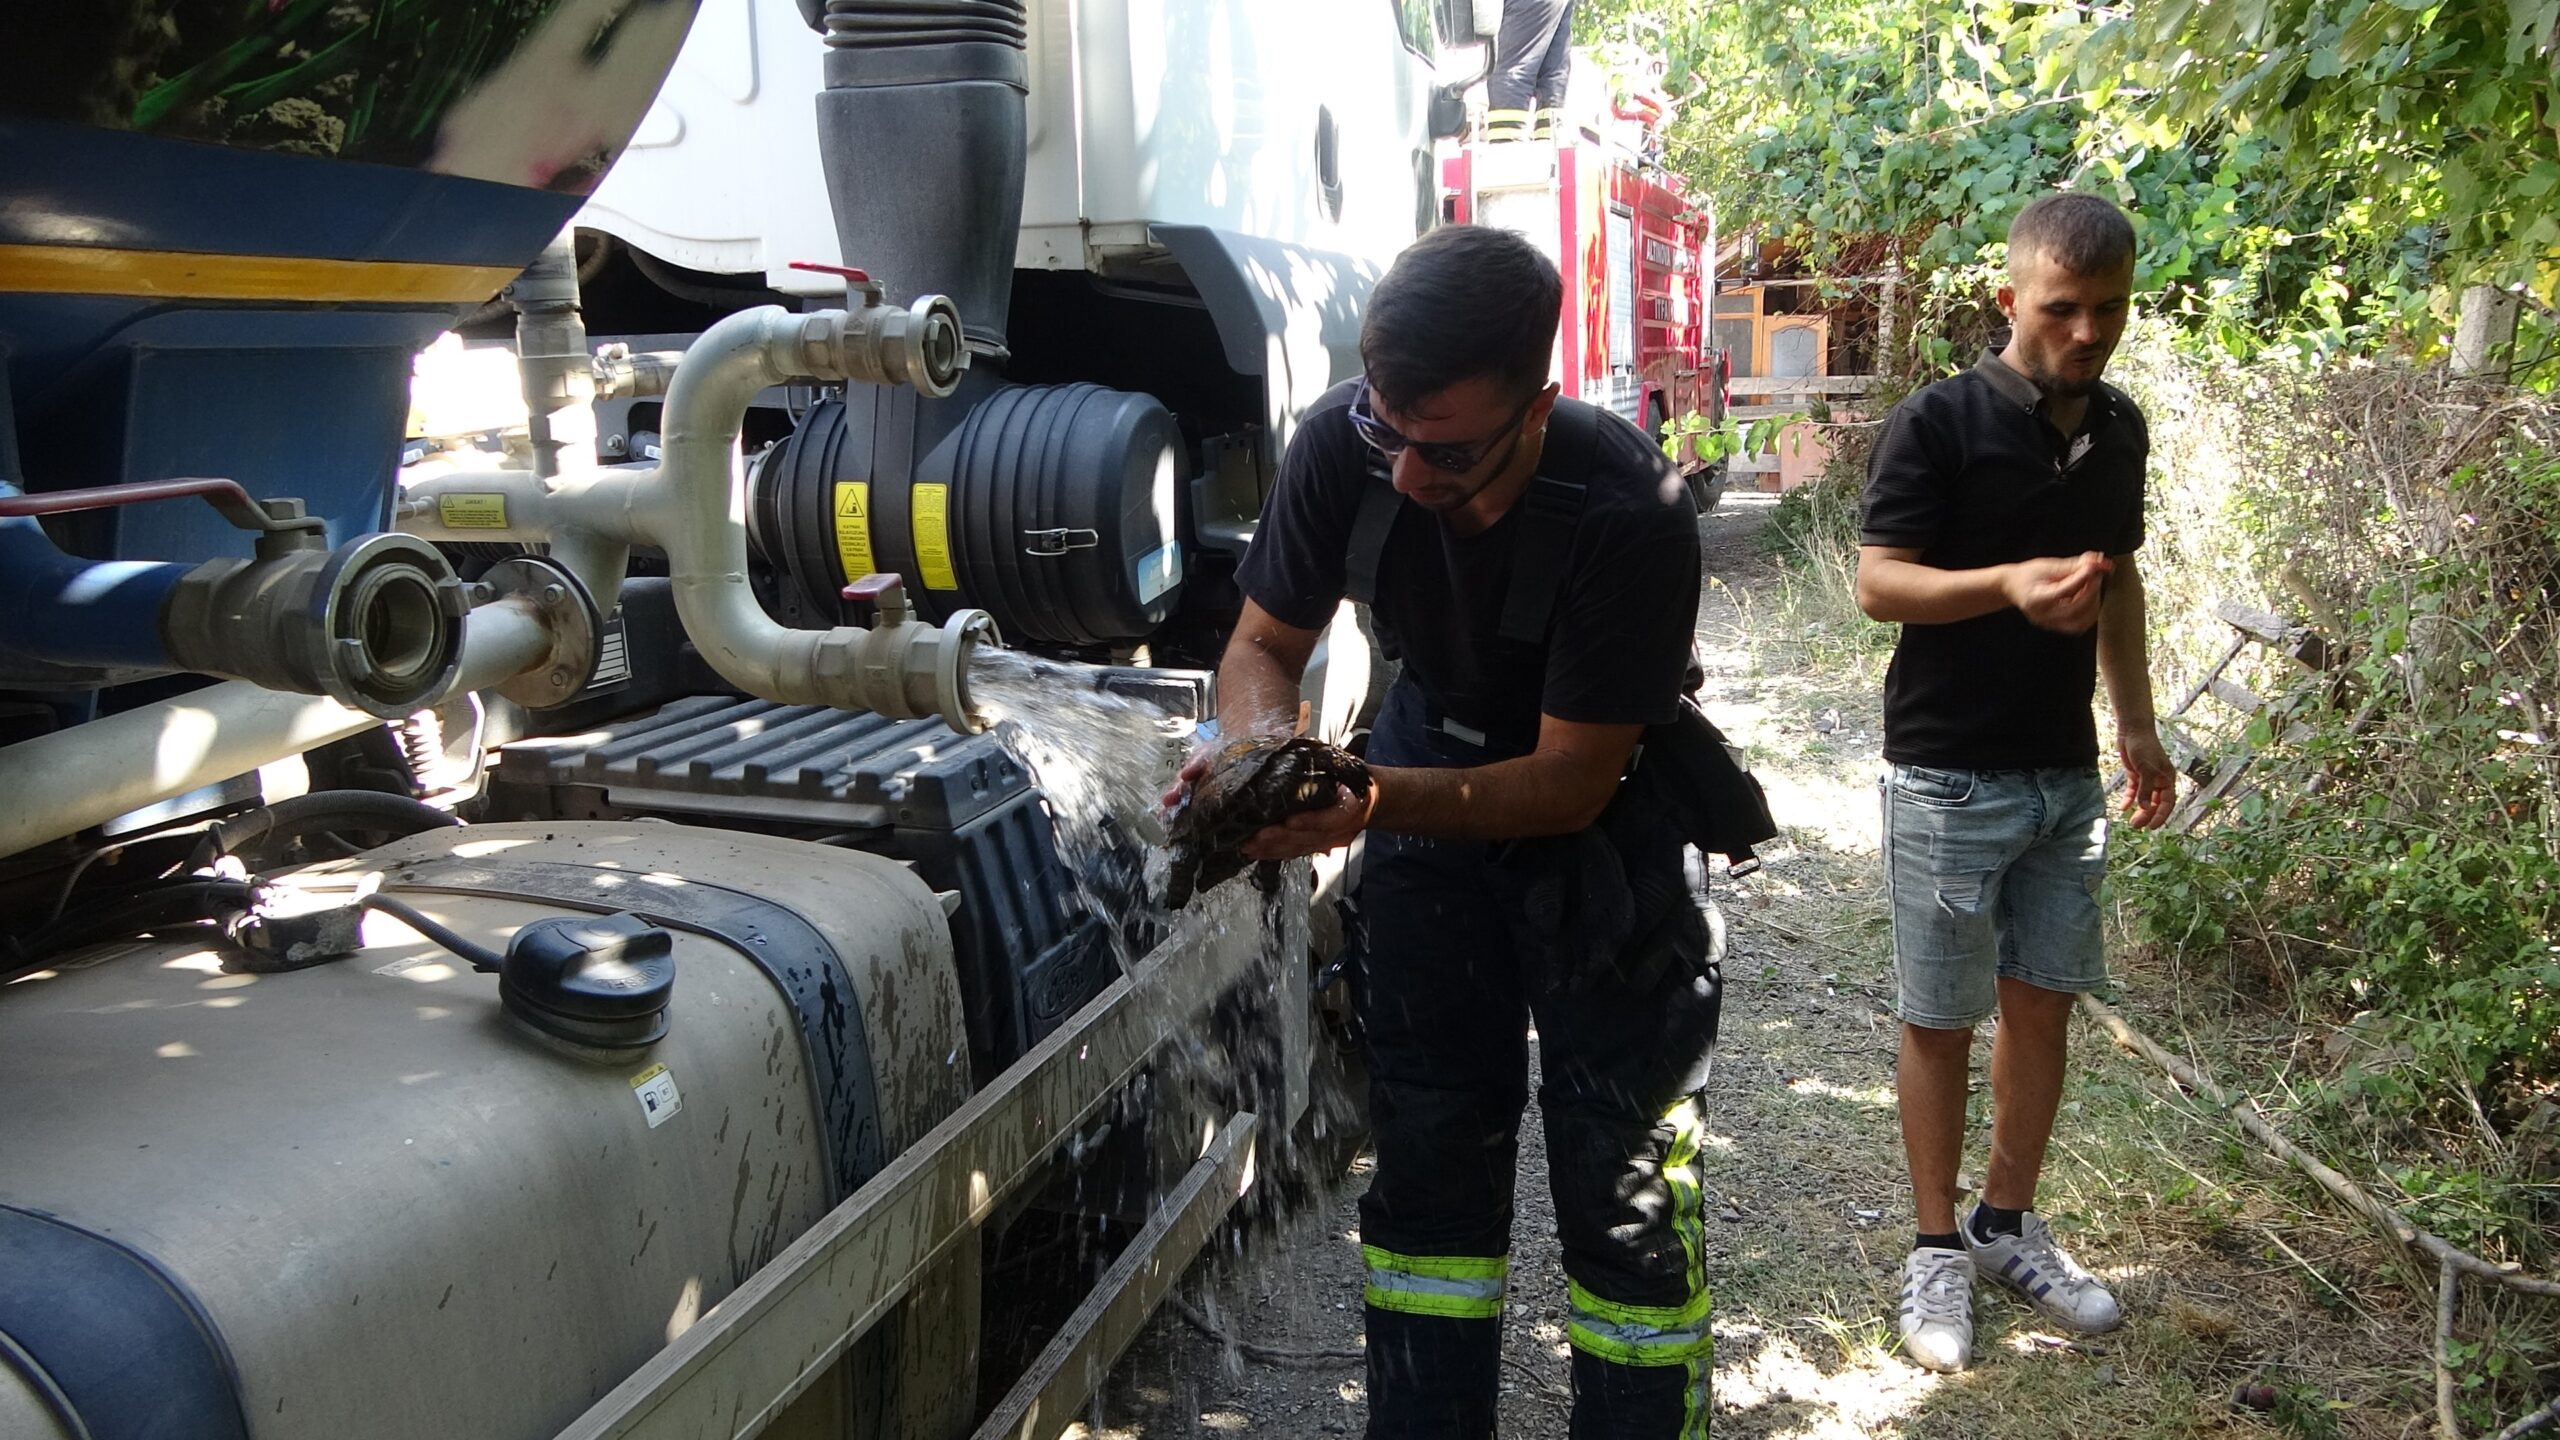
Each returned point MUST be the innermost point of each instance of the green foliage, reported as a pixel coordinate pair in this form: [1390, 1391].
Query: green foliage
[2429, 117]
[2314, 174]
[2391, 862]
[1693, 437]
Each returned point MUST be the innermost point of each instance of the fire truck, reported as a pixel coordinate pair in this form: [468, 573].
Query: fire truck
[1636, 249]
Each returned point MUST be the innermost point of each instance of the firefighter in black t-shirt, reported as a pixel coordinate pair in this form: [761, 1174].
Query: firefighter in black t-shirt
[1508, 873]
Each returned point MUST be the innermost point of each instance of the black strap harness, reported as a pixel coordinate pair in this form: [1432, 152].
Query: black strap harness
[1718, 805]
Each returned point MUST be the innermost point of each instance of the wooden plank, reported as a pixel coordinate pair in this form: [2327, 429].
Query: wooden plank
[1774, 385]
[2239, 642]
[2238, 697]
[1751, 465]
[1045, 1401]
[2273, 629]
[2202, 800]
[1761, 412]
[732, 1373]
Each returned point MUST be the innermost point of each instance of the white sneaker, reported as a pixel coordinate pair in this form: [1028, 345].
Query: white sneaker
[2030, 1263]
[1936, 1315]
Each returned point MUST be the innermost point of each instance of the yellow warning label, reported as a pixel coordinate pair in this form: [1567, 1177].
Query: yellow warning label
[853, 528]
[933, 536]
[472, 512]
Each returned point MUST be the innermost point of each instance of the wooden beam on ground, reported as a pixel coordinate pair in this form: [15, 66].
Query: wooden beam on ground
[735, 1371]
[1781, 385]
[2239, 642]
[2238, 697]
[2273, 629]
[1048, 1396]
[2224, 777]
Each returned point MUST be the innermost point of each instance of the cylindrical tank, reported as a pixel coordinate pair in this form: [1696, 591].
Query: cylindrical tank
[1051, 507]
[387, 1208]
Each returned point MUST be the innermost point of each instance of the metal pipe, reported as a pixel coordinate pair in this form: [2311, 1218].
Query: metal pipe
[65, 782]
[374, 623]
[692, 506]
[552, 363]
[58, 609]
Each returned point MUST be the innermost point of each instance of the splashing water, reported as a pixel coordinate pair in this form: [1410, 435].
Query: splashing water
[1104, 761]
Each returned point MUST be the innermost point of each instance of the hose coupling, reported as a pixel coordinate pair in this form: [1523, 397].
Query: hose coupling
[375, 624]
[877, 343]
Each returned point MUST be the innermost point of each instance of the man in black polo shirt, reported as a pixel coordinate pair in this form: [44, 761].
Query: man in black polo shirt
[1508, 873]
[2003, 508]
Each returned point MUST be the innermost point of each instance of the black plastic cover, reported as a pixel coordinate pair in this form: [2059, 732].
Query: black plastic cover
[956, 806]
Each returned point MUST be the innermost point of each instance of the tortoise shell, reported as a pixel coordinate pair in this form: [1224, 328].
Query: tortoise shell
[1251, 784]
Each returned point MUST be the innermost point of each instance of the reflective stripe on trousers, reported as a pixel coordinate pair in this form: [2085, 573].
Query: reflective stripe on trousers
[1659, 1336]
[1457, 1287]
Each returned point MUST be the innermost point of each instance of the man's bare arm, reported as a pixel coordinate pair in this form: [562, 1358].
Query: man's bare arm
[2057, 594]
[1556, 789]
[2124, 663]
[1259, 675]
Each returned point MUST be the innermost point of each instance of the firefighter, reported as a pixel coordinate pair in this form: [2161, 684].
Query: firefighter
[1534, 563]
[1532, 60]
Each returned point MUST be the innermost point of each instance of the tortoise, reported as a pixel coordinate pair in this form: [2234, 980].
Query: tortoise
[1252, 783]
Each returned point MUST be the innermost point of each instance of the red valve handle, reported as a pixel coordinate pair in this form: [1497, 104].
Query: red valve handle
[870, 588]
[226, 496]
[850, 275]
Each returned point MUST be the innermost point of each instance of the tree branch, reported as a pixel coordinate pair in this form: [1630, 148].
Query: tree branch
[2452, 1261]
[2448, 1294]
[2532, 1422]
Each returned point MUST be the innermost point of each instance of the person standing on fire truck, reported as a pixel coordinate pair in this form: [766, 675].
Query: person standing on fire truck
[1532, 61]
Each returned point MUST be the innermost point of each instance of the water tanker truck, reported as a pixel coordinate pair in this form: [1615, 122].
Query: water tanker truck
[513, 948]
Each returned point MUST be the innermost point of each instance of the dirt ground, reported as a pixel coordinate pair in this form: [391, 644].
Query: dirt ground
[2225, 1280]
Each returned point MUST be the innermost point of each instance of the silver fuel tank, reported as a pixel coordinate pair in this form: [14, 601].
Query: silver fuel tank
[360, 1200]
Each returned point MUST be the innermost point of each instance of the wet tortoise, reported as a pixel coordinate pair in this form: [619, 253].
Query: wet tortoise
[1251, 784]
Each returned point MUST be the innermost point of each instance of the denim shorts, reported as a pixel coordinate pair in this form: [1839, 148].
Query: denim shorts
[1992, 873]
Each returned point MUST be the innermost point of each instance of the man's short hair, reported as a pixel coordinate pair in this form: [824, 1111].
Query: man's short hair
[1463, 301]
[2083, 233]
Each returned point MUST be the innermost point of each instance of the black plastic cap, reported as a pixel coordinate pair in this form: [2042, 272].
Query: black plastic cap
[594, 979]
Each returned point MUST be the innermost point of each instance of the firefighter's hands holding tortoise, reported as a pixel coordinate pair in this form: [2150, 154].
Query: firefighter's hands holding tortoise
[1261, 800]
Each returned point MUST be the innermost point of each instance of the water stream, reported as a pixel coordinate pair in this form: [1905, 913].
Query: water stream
[1104, 760]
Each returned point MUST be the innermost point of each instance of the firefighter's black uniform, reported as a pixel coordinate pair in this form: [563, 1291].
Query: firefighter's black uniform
[1532, 61]
[1579, 604]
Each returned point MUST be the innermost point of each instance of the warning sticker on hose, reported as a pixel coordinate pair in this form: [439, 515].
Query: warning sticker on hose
[472, 512]
[656, 1089]
[933, 536]
[853, 529]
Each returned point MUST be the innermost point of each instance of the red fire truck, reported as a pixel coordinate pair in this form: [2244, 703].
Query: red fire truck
[1638, 256]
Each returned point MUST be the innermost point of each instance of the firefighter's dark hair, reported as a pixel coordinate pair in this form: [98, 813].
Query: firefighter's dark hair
[1462, 302]
[2083, 233]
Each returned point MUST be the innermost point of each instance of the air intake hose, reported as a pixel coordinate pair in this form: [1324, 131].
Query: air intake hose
[922, 132]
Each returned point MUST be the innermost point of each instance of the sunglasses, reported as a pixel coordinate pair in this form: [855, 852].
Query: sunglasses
[1457, 459]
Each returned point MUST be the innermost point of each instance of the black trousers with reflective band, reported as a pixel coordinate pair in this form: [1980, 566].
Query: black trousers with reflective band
[1446, 997]
[1532, 57]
